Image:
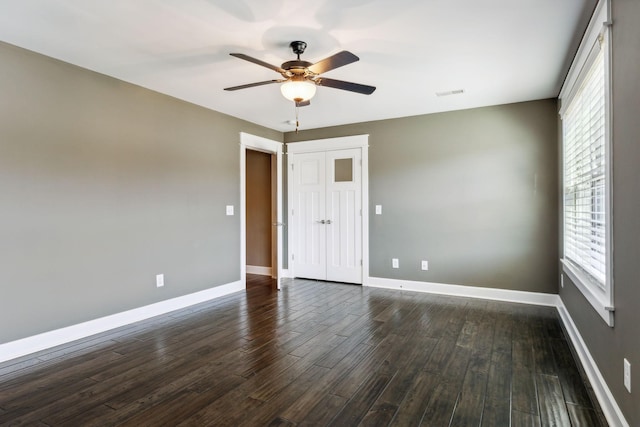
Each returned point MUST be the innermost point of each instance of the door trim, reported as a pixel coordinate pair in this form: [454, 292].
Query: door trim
[257, 143]
[331, 144]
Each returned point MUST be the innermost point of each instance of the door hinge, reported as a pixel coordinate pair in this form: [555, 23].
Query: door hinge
[293, 257]
[360, 262]
[291, 166]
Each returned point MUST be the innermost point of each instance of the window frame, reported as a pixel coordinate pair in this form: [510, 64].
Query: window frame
[598, 33]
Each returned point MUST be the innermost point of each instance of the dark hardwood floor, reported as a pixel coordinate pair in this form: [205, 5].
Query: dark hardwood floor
[311, 354]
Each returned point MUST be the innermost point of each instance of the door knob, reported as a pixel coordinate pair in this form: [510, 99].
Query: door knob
[328, 221]
[322, 221]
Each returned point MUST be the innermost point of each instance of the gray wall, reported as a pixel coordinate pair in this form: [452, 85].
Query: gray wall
[474, 192]
[103, 185]
[609, 346]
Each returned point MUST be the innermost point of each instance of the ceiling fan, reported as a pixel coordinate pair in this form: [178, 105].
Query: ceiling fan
[300, 77]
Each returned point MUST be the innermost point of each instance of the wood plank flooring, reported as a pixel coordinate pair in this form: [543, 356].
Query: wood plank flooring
[312, 354]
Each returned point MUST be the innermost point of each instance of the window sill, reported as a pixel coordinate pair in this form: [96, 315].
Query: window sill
[596, 298]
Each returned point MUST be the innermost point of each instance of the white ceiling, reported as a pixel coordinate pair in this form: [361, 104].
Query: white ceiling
[498, 51]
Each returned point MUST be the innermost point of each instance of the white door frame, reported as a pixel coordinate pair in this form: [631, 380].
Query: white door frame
[252, 142]
[330, 144]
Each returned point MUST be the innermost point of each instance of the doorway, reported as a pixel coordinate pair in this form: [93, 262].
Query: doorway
[328, 194]
[265, 247]
[260, 215]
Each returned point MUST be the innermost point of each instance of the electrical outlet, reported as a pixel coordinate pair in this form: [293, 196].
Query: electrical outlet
[159, 280]
[424, 265]
[627, 375]
[378, 209]
[229, 210]
[395, 263]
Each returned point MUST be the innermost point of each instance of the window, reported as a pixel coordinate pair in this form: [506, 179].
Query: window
[584, 176]
[586, 170]
[343, 170]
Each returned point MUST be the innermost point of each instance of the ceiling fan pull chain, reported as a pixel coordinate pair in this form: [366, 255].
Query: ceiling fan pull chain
[297, 121]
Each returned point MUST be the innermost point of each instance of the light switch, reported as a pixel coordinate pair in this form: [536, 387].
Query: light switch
[627, 375]
[229, 209]
[378, 209]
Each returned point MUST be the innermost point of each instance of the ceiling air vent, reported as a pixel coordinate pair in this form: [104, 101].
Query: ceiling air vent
[450, 92]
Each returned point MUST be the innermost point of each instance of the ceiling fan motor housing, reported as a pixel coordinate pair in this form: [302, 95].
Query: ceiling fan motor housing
[296, 66]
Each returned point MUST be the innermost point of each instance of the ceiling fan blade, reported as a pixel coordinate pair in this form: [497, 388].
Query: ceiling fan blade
[259, 62]
[333, 62]
[254, 84]
[303, 103]
[351, 87]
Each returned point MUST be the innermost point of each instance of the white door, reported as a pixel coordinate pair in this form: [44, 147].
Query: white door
[309, 213]
[327, 204]
[344, 215]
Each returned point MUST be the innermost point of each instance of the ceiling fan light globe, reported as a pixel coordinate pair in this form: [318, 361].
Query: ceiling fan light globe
[298, 91]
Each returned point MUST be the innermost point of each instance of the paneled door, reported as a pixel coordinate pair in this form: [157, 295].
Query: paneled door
[327, 211]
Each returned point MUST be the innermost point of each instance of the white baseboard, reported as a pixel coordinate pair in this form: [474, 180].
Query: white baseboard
[256, 269]
[467, 291]
[35, 343]
[607, 402]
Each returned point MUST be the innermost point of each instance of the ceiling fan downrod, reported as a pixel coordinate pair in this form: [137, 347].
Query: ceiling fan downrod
[298, 47]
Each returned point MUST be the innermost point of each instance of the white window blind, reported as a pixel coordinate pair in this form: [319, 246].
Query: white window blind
[585, 110]
[585, 175]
